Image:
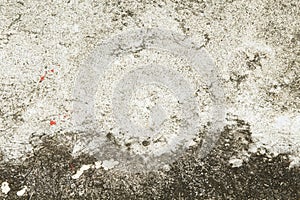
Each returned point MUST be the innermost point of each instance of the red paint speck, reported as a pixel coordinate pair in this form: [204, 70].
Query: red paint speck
[42, 78]
[71, 166]
[52, 122]
[52, 70]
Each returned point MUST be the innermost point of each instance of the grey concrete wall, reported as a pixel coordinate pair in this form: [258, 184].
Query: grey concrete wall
[149, 99]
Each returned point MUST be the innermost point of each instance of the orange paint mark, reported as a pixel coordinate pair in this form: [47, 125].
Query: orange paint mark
[52, 122]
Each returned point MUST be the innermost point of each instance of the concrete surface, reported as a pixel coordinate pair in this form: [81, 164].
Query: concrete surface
[44, 47]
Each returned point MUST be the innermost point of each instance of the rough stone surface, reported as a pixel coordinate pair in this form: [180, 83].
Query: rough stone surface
[255, 46]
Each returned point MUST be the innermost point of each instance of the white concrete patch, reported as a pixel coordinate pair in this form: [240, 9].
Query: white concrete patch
[106, 165]
[80, 171]
[295, 161]
[98, 164]
[166, 168]
[109, 164]
[22, 192]
[236, 162]
[5, 187]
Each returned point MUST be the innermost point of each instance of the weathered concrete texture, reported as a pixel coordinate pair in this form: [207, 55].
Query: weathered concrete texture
[255, 46]
[48, 176]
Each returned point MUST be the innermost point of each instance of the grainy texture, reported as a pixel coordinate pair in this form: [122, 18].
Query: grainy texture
[255, 46]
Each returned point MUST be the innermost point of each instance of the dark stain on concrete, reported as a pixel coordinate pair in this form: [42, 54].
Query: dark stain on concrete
[48, 173]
